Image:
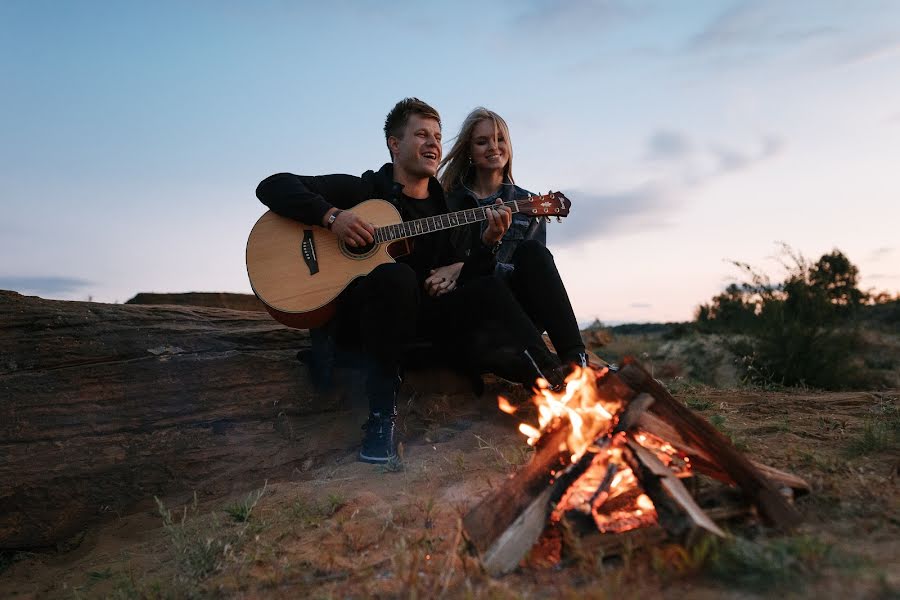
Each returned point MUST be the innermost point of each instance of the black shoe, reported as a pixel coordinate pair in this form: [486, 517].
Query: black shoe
[380, 440]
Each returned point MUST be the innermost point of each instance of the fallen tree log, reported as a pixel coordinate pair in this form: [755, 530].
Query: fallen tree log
[104, 405]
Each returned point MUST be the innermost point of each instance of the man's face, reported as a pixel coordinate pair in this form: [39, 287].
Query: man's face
[418, 151]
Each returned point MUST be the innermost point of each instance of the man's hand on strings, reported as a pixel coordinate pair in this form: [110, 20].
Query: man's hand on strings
[499, 217]
[352, 229]
[443, 279]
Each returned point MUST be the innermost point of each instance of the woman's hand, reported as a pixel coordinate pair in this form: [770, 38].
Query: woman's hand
[352, 229]
[499, 219]
[443, 279]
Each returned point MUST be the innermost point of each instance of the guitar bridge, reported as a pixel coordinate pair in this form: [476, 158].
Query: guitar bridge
[308, 249]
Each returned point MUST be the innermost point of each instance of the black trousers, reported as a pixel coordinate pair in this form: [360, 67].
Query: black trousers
[481, 324]
[537, 286]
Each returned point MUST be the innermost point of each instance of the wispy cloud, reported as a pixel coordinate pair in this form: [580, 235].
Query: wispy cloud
[640, 305]
[597, 214]
[870, 51]
[575, 14]
[882, 277]
[729, 159]
[648, 205]
[668, 145]
[43, 285]
[753, 24]
[880, 253]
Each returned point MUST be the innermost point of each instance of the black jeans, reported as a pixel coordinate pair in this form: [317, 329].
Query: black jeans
[536, 284]
[481, 325]
[376, 316]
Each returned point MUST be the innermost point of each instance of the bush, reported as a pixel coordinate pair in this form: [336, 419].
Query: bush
[802, 331]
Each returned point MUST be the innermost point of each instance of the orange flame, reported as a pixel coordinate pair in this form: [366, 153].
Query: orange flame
[588, 414]
[505, 406]
[621, 506]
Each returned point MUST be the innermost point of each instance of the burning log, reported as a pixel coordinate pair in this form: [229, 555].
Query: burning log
[610, 452]
[700, 434]
[702, 463]
[506, 523]
[499, 511]
[675, 508]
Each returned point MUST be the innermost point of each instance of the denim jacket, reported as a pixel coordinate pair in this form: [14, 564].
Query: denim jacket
[521, 228]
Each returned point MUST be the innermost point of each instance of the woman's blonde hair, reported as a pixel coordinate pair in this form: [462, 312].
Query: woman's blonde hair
[455, 169]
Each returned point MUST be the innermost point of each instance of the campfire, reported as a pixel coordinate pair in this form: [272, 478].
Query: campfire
[612, 451]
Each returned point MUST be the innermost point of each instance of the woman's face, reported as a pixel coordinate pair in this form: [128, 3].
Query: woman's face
[489, 148]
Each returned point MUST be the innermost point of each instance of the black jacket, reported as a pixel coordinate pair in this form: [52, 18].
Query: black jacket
[308, 198]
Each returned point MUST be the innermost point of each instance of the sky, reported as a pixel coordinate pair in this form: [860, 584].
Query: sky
[687, 134]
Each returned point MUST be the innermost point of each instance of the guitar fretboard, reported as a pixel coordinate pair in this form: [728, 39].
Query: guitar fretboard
[407, 229]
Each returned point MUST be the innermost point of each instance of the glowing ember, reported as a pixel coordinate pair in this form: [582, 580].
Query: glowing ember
[505, 406]
[644, 502]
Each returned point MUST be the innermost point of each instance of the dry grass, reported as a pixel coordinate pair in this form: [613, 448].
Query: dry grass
[351, 530]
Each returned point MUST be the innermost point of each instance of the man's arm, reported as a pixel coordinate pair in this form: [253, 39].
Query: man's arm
[309, 198]
[314, 199]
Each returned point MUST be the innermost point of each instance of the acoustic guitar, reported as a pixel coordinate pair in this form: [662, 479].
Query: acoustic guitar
[298, 270]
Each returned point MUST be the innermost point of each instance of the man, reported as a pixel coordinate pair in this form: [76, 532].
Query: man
[386, 310]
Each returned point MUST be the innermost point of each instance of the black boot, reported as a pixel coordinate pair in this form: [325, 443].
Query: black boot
[380, 440]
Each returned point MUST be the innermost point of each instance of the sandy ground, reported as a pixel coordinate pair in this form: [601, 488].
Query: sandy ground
[342, 529]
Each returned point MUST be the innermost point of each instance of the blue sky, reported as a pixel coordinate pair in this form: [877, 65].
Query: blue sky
[686, 133]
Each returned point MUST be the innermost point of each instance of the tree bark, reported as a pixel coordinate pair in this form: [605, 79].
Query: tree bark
[104, 405]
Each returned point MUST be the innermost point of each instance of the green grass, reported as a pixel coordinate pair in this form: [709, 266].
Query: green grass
[765, 565]
[313, 513]
[757, 566]
[240, 511]
[877, 435]
[698, 404]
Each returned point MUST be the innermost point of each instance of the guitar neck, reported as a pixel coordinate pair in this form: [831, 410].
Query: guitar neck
[408, 229]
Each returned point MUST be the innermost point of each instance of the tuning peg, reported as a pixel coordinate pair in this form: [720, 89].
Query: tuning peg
[559, 219]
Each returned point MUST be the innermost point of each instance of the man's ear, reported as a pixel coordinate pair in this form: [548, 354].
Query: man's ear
[393, 145]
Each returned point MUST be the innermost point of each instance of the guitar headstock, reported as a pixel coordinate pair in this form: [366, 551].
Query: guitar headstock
[552, 204]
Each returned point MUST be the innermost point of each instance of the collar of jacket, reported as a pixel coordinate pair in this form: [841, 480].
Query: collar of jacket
[461, 198]
[385, 182]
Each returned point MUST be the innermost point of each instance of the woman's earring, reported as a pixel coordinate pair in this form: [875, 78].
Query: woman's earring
[470, 160]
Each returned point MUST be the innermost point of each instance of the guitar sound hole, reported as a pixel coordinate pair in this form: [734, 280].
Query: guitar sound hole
[359, 251]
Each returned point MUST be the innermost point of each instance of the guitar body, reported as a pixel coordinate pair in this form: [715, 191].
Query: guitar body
[298, 270]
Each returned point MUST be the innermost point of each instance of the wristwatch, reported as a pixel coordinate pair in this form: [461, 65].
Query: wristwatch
[332, 218]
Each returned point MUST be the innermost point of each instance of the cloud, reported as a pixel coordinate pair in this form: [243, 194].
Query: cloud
[715, 159]
[43, 285]
[668, 145]
[879, 253]
[870, 52]
[881, 277]
[640, 305]
[729, 160]
[649, 204]
[579, 14]
[749, 25]
[597, 214]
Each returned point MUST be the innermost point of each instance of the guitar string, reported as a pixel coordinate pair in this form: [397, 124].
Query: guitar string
[407, 229]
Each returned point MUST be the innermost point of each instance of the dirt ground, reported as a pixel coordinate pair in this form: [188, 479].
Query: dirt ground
[343, 529]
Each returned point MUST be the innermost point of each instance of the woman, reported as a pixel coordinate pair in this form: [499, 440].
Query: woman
[478, 171]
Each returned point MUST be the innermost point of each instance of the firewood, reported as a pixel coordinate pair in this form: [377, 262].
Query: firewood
[507, 522]
[699, 433]
[491, 517]
[676, 509]
[702, 463]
